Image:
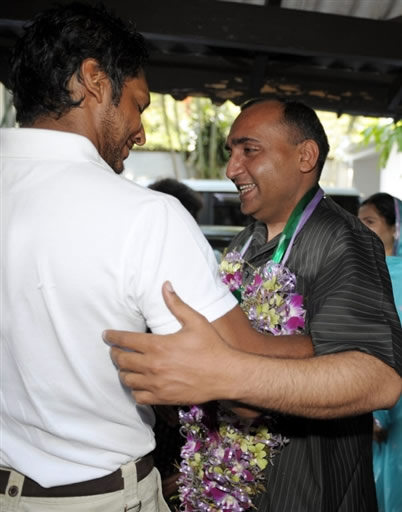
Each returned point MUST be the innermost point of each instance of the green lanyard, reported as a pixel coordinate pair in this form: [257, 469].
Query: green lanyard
[292, 224]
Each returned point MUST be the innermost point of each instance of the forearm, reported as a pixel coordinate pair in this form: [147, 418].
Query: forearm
[236, 330]
[297, 346]
[329, 386]
[195, 365]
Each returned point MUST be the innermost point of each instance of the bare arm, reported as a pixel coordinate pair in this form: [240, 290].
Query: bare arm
[195, 365]
[236, 330]
[330, 386]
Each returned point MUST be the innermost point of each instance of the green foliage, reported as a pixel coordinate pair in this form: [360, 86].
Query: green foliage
[159, 122]
[198, 128]
[384, 136]
[193, 126]
[211, 125]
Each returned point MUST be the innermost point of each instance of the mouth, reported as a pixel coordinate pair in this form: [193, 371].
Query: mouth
[126, 149]
[244, 189]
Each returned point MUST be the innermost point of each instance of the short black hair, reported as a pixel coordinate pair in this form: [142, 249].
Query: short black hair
[189, 198]
[52, 49]
[302, 123]
[384, 204]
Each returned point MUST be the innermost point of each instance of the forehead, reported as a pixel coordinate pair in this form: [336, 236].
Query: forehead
[369, 210]
[138, 87]
[258, 121]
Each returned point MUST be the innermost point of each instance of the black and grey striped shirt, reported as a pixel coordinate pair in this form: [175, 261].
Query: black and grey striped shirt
[342, 275]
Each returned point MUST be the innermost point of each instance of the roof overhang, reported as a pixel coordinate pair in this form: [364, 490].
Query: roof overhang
[236, 51]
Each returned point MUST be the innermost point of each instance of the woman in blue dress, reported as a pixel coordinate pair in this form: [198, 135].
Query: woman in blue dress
[382, 213]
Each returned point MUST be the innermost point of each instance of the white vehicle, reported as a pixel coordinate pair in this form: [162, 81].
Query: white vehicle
[221, 218]
[222, 204]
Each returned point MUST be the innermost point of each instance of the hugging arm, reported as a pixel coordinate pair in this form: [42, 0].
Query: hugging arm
[196, 365]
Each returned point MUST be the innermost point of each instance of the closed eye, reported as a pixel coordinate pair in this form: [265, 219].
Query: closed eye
[248, 150]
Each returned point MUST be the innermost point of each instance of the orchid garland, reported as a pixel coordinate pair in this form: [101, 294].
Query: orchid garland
[269, 301]
[224, 456]
[222, 465]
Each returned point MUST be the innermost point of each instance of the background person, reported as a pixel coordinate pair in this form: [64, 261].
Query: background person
[382, 213]
[277, 150]
[188, 197]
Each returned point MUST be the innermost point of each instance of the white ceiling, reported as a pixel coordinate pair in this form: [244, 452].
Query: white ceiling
[375, 9]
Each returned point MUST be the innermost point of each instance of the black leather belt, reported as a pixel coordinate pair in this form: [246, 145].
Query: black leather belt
[109, 483]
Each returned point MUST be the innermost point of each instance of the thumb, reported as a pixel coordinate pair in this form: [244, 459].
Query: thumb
[183, 312]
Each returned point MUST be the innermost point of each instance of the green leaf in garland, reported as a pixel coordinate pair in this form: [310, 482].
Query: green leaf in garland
[238, 294]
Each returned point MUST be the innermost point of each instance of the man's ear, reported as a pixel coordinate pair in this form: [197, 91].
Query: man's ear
[309, 154]
[94, 80]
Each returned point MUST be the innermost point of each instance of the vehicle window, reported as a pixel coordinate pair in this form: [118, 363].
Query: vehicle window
[350, 203]
[222, 208]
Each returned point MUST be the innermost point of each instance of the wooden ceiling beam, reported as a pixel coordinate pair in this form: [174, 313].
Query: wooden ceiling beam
[251, 27]
[227, 50]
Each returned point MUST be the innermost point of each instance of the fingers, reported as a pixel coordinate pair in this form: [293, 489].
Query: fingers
[182, 311]
[128, 361]
[137, 376]
[146, 398]
[132, 380]
[139, 391]
[137, 341]
[142, 392]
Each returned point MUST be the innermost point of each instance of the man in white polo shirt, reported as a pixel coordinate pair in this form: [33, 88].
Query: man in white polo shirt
[84, 249]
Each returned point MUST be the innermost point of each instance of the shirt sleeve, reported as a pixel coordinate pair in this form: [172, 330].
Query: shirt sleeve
[351, 305]
[170, 246]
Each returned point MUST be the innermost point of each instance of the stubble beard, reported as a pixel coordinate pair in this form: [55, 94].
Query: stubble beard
[110, 150]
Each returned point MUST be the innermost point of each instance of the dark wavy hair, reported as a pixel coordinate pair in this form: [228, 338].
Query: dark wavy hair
[52, 49]
[384, 204]
[302, 123]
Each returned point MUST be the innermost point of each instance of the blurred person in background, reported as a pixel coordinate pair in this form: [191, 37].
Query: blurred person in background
[382, 213]
[189, 198]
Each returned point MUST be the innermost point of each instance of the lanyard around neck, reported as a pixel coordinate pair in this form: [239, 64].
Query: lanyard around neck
[295, 223]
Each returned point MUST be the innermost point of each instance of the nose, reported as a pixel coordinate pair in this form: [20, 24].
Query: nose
[233, 168]
[140, 138]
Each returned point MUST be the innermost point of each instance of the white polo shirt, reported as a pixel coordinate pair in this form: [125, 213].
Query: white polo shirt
[83, 249]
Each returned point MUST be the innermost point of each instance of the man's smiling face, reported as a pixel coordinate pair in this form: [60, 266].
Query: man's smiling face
[264, 164]
[121, 126]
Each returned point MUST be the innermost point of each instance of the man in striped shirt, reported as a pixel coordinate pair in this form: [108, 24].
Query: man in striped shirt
[277, 151]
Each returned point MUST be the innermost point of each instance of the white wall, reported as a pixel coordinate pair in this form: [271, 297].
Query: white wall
[368, 178]
[152, 165]
[391, 176]
[366, 175]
